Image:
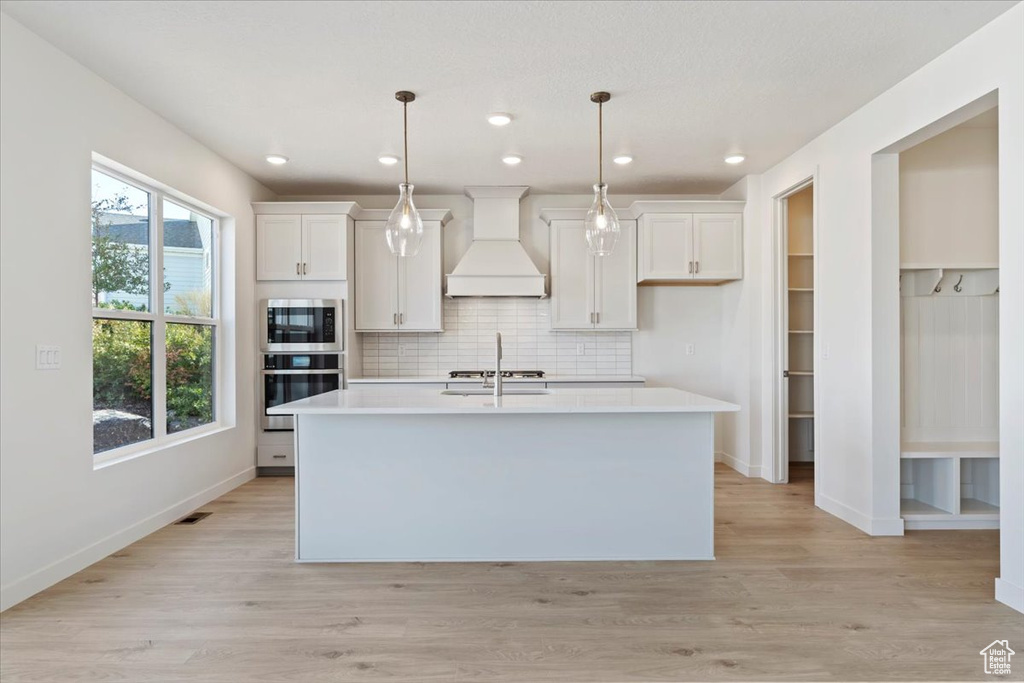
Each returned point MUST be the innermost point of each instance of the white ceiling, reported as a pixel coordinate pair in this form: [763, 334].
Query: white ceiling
[690, 82]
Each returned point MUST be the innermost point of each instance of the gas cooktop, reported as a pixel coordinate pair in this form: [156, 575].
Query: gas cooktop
[507, 374]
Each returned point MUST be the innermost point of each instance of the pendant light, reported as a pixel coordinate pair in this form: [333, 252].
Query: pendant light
[404, 229]
[602, 225]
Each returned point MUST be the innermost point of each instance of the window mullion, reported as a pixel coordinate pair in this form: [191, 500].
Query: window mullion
[159, 384]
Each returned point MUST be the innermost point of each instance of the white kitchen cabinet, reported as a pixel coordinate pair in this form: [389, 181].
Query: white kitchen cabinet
[279, 247]
[665, 243]
[301, 247]
[591, 292]
[376, 295]
[394, 293]
[717, 246]
[324, 247]
[690, 247]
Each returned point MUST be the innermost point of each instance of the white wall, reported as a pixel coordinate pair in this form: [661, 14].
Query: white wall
[59, 514]
[857, 468]
[949, 199]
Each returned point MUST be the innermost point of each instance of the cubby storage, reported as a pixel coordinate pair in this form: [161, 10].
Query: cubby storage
[928, 486]
[979, 486]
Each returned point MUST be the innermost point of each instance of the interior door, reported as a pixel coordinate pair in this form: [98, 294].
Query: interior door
[615, 283]
[279, 247]
[419, 284]
[717, 246]
[376, 279]
[572, 277]
[324, 247]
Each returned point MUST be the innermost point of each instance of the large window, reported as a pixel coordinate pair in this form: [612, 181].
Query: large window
[155, 314]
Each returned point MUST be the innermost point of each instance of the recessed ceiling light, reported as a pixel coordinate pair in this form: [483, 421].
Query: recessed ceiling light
[735, 159]
[623, 159]
[499, 119]
[512, 159]
[276, 159]
[388, 159]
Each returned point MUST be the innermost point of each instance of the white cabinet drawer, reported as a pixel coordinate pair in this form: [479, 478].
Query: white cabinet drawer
[275, 456]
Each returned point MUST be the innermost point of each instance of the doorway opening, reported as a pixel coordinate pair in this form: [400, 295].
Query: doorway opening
[795, 425]
[949, 327]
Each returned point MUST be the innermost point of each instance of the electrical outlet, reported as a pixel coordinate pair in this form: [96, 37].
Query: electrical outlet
[47, 357]
[401, 350]
[690, 350]
[581, 349]
[825, 352]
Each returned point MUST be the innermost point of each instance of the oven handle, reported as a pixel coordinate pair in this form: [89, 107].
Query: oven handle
[332, 371]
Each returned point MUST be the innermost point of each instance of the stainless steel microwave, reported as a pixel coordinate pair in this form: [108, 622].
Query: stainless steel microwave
[303, 325]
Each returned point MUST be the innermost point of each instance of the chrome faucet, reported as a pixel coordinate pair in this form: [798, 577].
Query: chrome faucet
[497, 368]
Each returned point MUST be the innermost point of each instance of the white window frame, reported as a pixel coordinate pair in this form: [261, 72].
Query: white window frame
[158, 320]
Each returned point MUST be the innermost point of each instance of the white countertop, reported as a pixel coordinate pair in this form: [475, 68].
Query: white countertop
[541, 380]
[431, 401]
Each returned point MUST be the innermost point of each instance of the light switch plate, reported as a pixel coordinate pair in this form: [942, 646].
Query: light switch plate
[690, 349]
[47, 357]
[581, 349]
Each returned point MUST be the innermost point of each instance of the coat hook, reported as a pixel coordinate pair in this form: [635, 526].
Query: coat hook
[957, 287]
[938, 288]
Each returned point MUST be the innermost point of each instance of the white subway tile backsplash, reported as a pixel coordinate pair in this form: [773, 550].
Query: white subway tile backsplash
[468, 343]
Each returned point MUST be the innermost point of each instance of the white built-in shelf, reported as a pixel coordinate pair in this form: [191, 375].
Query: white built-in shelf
[912, 506]
[801, 373]
[801, 289]
[802, 255]
[971, 506]
[801, 331]
[950, 449]
[801, 415]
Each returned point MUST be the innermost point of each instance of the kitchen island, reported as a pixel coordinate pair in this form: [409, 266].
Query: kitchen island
[565, 474]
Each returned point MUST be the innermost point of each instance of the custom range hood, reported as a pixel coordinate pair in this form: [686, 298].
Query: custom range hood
[496, 263]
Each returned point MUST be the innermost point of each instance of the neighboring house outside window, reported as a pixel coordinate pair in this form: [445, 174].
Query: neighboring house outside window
[155, 315]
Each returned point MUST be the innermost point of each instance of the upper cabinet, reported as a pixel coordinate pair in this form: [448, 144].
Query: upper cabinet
[303, 240]
[690, 247]
[393, 293]
[592, 292]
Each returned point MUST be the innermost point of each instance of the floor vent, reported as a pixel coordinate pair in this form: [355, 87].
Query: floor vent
[194, 518]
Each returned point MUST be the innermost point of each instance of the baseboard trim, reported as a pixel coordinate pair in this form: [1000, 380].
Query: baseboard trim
[47, 576]
[869, 525]
[1010, 594]
[743, 468]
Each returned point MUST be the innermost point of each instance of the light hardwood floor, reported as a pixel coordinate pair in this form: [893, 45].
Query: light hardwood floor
[795, 594]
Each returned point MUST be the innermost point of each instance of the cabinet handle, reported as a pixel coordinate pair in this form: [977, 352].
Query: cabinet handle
[597, 317]
[401, 318]
[394, 318]
[298, 269]
[280, 456]
[696, 266]
[689, 267]
[305, 268]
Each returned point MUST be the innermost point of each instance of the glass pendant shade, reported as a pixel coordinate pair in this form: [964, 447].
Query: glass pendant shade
[404, 229]
[602, 225]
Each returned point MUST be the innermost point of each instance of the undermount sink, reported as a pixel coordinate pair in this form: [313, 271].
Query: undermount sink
[490, 392]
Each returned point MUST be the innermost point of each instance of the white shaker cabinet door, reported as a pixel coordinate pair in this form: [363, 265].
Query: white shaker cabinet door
[666, 246]
[572, 277]
[615, 283]
[324, 247]
[419, 284]
[718, 246]
[376, 281]
[279, 247]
